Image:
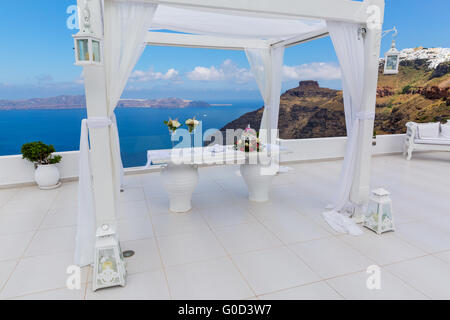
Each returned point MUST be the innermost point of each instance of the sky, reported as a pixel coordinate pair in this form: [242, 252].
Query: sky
[37, 59]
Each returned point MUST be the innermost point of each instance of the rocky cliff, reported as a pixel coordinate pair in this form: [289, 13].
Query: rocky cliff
[305, 111]
[417, 93]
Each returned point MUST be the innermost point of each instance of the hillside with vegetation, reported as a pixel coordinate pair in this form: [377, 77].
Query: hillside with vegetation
[419, 92]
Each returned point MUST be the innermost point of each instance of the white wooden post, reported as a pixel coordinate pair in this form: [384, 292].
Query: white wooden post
[101, 152]
[361, 182]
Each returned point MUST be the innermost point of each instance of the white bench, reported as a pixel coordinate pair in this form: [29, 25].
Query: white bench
[426, 136]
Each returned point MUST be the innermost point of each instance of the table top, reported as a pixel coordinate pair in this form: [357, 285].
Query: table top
[210, 155]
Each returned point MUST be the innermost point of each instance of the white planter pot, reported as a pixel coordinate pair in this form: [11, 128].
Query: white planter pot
[180, 181]
[258, 184]
[47, 176]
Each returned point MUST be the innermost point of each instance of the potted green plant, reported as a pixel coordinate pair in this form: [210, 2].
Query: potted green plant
[46, 174]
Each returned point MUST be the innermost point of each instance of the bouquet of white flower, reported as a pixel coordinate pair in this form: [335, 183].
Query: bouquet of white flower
[173, 125]
[192, 124]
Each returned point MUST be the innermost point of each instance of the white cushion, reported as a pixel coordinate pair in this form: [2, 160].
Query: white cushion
[428, 130]
[438, 141]
[445, 130]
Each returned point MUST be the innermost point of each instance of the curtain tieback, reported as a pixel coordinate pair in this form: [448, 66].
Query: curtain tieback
[90, 123]
[98, 122]
[365, 115]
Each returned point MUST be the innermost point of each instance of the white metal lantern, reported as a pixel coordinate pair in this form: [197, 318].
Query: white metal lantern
[379, 214]
[392, 58]
[88, 46]
[109, 265]
[88, 49]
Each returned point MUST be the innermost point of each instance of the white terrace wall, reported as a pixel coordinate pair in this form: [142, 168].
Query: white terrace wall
[16, 171]
[334, 148]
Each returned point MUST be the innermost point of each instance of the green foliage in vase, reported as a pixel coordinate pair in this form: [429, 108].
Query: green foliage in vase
[192, 124]
[173, 125]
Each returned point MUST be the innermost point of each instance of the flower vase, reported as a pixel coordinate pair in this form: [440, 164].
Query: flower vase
[179, 181]
[257, 180]
[192, 140]
[172, 139]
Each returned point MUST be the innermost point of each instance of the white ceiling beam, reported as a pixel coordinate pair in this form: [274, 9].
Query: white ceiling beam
[201, 41]
[310, 36]
[339, 10]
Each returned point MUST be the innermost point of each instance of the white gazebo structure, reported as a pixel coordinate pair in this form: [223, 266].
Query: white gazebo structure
[115, 33]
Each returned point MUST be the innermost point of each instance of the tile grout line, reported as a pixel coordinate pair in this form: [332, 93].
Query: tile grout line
[29, 243]
[388, 264]
[291, 250]
[435, 254]
[300, 286]
[405, 239]
[335, 290]
[383, 266]
[228, 255]
[287, 246]
[342, 275]
[8, 199]
[43, 291]
[90, 271]
[257, 220]
[408, 284]
[157, 246]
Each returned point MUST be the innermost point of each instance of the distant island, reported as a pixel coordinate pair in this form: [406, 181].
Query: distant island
[79, 102]
[221, 104]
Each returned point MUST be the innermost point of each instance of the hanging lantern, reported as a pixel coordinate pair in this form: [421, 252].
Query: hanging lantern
[379, 214]
[88, 47]
[109, 265]
[392, 59]
[88, 50]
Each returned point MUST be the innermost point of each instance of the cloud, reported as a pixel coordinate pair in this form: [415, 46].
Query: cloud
[44, 78]
[228, 70]
[312, 71]
[206, 74]
[80, 79]
[145, 76]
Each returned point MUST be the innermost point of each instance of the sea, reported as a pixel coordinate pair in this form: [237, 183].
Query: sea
[140, 129]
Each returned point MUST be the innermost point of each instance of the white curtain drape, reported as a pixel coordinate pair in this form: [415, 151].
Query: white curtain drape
[349, 46]
[125, 27]
[86, 222]
[240, 25]
[267, 67]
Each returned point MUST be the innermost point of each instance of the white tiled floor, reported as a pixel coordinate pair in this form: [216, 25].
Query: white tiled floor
[230, 248]
[212, 279]
[353, 286]
[314, 291]
[273, 269]
[331, 257]
[428, 274]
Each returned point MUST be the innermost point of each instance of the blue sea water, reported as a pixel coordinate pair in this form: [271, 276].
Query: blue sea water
[140, 129]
